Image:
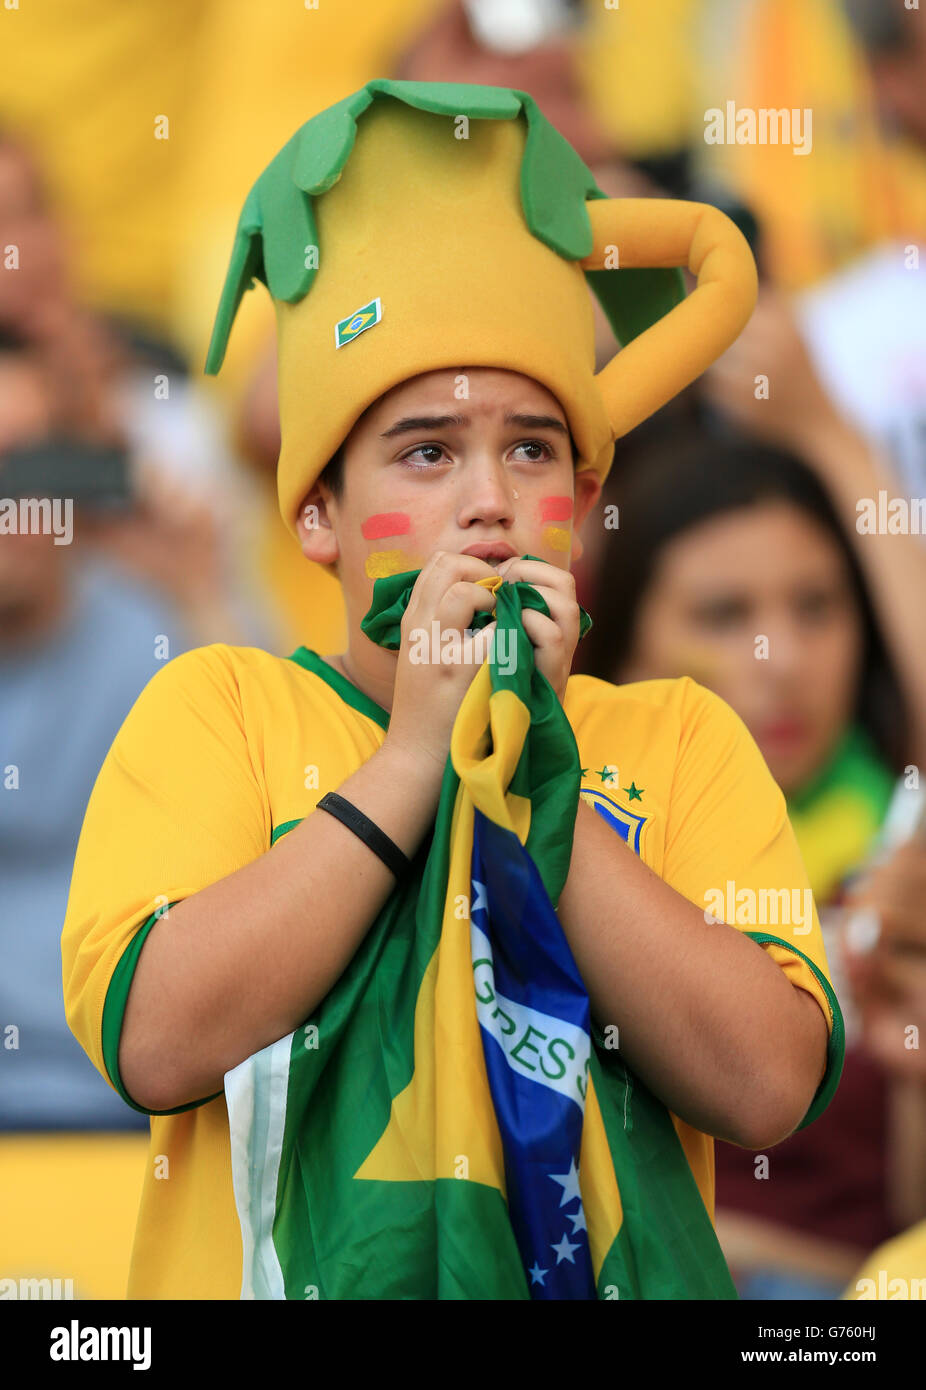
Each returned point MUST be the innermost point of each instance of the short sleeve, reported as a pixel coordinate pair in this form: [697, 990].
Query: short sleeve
[730, 848]
[178, 804]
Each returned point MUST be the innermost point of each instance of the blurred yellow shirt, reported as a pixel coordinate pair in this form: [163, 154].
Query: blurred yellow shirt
[151, 122]
[895, 1272]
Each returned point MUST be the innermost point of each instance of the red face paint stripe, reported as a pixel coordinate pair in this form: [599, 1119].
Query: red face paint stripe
[386, 524]
[555, 508]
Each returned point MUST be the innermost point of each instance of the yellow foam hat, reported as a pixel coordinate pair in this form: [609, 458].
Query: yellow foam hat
[416, 226]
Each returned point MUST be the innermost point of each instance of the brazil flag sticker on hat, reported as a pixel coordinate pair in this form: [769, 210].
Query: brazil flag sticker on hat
[351, 327]
[415, 226]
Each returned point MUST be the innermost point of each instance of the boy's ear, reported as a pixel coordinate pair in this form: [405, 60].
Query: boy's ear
[587, 490]
[313, 524]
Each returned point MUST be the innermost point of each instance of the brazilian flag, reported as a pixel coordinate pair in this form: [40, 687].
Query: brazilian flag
[450, 1123]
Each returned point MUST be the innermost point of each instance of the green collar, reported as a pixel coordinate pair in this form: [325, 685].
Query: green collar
[348, 692]
[854, 763]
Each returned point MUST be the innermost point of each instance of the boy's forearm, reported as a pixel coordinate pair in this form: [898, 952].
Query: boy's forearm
[705, 1017]
[242, 963]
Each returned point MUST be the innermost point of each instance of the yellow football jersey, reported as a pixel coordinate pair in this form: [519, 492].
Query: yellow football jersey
[226, 746]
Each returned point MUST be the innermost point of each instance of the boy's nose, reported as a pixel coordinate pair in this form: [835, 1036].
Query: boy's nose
[487, 493]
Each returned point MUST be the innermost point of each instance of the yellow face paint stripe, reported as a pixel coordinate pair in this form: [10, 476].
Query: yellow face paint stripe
[385, 562]
[557, 538]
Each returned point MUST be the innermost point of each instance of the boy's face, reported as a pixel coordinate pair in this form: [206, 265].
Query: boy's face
[441, 462]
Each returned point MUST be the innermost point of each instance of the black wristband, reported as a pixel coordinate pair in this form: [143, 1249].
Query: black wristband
[371, 835]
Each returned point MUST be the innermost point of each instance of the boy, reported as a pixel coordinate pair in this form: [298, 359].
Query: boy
[214, 920]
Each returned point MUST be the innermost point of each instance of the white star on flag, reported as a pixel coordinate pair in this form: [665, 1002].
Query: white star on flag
[537, 1274]
[569, 1183]
[564, 1250]
[481, 903]
[578, 1220]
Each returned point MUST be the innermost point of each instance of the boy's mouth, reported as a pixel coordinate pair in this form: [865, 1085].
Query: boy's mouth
[493, 552]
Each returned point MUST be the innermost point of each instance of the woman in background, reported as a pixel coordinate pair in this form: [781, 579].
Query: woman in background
[730, 564]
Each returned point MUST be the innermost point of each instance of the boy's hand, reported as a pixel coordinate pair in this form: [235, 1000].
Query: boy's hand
[428, 692]
[554, 638]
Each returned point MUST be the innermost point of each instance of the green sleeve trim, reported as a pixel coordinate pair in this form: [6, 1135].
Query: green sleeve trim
[281, 830]
[836, 1046]
[114, 1011]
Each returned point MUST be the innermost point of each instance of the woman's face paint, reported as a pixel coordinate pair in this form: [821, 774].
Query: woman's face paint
[556, 509]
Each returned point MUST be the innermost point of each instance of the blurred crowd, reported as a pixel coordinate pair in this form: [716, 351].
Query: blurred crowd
[128, 139]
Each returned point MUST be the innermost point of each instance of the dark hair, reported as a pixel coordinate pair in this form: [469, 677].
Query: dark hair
[333, 473]
[13, 342]
[878, 24]
[667, 484]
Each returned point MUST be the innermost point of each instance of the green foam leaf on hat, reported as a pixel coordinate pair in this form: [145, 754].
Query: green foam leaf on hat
[277, 221]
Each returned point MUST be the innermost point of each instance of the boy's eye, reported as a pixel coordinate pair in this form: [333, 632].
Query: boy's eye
[537, 444]
[422, 449]
[434, 451]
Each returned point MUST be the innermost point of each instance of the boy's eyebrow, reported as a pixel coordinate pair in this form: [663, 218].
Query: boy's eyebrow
[414, 424]
[536, 422]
